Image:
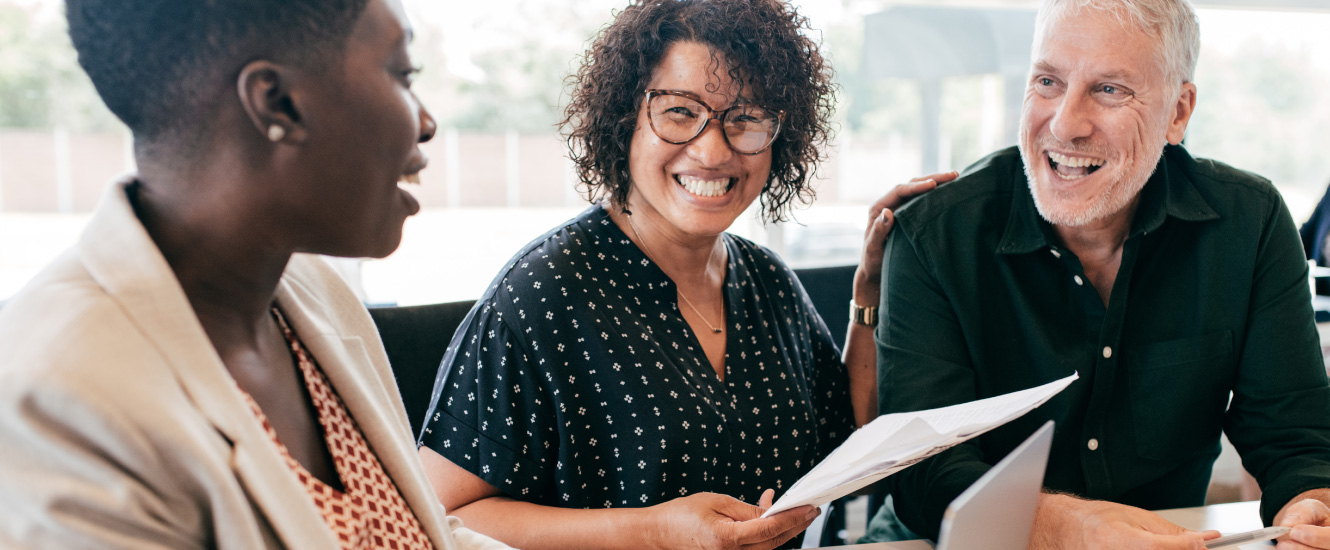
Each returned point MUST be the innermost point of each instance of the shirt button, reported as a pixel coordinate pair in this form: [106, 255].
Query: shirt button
[1108, 352]
[1078, 279]
[1055, 252]
[1092, 444]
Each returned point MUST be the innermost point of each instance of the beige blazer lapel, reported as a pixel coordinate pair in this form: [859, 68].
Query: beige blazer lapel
[152, 298]
[353, 367]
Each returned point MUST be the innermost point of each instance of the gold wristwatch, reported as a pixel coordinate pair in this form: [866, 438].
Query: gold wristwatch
[866, 316]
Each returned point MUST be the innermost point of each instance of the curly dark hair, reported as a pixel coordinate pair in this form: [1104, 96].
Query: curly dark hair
[760, 39]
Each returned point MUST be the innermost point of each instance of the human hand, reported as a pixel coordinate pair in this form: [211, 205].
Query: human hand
[881, 218]
[717, 522]
[1066, 522]
[1310, 520]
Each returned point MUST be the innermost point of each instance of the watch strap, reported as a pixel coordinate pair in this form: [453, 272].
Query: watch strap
[863, 315]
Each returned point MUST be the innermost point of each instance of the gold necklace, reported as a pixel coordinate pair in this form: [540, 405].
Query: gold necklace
[652, 257]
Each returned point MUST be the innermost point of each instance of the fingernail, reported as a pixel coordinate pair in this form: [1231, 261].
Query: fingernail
[813, 513]
[882, 216]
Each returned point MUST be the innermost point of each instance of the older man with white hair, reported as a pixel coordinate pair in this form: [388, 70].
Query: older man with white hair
[1175, 286]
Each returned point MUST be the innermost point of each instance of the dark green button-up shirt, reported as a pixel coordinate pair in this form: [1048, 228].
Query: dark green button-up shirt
[1208, 327]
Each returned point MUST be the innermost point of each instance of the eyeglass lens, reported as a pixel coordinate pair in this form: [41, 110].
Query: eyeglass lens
[678, 119]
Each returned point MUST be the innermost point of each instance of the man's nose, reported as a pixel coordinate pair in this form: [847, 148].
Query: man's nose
[1073, 118]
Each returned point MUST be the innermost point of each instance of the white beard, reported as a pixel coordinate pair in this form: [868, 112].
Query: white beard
[1116, 195]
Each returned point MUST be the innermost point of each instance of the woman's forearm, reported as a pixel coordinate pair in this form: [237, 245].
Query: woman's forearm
[534, 527]
[860, 358]
[860, 354]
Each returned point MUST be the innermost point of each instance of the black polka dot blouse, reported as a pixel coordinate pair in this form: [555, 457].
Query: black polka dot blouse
[575, 382]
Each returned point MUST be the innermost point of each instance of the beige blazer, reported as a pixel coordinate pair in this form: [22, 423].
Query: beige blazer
[121, 428]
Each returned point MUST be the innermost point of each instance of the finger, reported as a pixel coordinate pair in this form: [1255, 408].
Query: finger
[779, 539]
[906, 190]
[732, 508]
[897, 197]
[761, 530]
[1311, 536]
[940, 177]
[1186, 541]
[875, 239]
[877, 233]
[764, 501]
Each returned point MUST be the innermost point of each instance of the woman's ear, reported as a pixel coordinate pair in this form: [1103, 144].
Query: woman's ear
[265, 93]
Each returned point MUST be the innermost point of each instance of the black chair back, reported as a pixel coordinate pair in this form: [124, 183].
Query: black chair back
[830, 289]
[415, 338]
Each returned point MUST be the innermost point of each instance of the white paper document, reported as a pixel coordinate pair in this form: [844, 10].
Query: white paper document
[897, 441]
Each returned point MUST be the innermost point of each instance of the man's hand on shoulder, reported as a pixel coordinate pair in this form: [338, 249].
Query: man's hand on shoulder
[1309, 516]
[1067, 522]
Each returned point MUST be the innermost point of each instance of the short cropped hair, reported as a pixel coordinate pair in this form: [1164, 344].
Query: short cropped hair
[1172, 22]
[765, 45]
[157, 64]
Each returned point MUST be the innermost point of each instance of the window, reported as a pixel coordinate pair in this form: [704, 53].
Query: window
[498, 178]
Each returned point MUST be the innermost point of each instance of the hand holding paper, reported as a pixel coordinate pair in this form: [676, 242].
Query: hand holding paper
[897, 441]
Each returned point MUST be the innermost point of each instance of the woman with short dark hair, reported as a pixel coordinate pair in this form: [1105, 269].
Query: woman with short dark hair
[636, 376]
[189, 376]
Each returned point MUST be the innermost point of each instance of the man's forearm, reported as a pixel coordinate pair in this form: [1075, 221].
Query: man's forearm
[1067, 522]
[1322, 495]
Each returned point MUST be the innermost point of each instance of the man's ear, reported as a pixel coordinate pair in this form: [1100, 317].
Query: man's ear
[265, 90]
[1181, 113]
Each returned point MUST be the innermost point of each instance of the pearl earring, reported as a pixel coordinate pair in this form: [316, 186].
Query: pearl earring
[276, 133]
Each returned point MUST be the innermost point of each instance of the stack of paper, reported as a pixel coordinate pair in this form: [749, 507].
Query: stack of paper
[897, 441]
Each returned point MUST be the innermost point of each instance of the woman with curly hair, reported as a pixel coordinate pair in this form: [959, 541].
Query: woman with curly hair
[635, 376]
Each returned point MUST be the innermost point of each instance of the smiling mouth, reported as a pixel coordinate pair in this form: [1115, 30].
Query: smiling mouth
[1073, 168]
[705, 188]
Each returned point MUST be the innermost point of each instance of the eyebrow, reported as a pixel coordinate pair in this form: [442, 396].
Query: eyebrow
[1042, 66]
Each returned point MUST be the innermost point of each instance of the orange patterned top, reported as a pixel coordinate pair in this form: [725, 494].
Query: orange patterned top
[371, 514]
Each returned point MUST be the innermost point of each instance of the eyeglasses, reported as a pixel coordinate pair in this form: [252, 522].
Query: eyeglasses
[679, 117]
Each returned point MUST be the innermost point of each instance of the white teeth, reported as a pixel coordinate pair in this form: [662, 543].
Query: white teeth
[705, 188]
[1074, 162]
[410, 178]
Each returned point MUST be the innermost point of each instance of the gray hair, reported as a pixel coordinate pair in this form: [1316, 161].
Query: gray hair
[1172, 22]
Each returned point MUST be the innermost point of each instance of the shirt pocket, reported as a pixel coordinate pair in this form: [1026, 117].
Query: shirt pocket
[1178, 390]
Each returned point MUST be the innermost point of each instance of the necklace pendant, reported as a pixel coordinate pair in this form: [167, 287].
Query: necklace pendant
[715, 330]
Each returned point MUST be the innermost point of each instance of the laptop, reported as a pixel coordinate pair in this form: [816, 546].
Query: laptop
[997, 511]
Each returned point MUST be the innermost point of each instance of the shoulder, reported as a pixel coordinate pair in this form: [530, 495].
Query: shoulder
[763, 264]
[64, 324]
[70, 356]
[1214, 177]
[982, 191]
[755, 254]
[550, 253]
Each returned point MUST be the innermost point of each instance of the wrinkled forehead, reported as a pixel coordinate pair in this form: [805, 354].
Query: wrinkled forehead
[1068, 20]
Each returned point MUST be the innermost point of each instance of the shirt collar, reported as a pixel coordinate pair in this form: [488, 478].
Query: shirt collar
[1170, 192]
